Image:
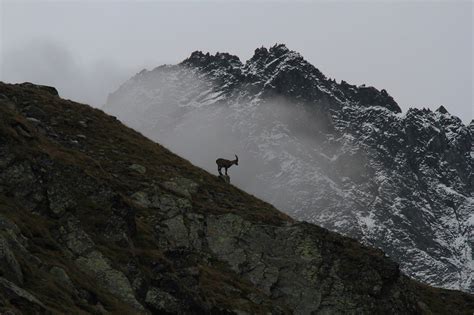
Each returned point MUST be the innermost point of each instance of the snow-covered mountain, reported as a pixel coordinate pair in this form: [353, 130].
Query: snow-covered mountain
[342, 156]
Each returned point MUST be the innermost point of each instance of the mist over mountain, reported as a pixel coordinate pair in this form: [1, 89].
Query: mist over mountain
[53, 63]
[342, 156]
[111, 222]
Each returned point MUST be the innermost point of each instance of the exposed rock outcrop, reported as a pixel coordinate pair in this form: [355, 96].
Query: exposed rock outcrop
[224, 178]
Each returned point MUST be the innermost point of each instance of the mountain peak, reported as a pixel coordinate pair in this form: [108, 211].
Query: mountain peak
[260, 52]
[279, 71]
[442, 110]
[274, 52]
[200, 59]
[279, 49]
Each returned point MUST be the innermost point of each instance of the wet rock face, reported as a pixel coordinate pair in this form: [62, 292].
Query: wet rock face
[118, 224]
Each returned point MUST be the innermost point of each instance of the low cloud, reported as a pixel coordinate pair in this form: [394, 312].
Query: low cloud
[277, 141]
[51, 63]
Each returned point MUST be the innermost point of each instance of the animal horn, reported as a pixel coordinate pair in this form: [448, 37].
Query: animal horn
[236, 157]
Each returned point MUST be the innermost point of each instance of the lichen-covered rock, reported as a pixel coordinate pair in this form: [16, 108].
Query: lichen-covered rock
[195, 224]
[59, 198]
[173, 205]
[175, 232]
[181, 186]
[170, 204]
[291, 264]
[61, 276]
[162, 301]
[76, 240]
[141, 198]
[138, 168]
[91, 261]
[95, 264]
[223, 234]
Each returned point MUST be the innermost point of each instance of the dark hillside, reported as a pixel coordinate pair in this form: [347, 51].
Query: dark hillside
[95, 218]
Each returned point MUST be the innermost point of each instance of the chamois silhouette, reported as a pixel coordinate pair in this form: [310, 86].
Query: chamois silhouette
[223, 163]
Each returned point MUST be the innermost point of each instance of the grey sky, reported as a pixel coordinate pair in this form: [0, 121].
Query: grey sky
[420, 52]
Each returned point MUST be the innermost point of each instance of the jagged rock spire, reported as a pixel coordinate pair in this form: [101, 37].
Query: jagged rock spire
[442, 110]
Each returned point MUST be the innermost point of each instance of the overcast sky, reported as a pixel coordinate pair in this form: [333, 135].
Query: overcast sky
[420, 52]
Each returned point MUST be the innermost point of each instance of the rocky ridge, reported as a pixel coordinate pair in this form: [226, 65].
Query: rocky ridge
[335, 154]
[95, 218]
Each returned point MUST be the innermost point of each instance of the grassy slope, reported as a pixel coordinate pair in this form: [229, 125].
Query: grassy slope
[110, 149]
[105, 156]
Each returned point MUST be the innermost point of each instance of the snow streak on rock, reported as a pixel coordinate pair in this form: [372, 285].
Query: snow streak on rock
[335, 154]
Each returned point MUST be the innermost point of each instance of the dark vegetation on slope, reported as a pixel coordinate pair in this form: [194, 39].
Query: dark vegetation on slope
[96, 218]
